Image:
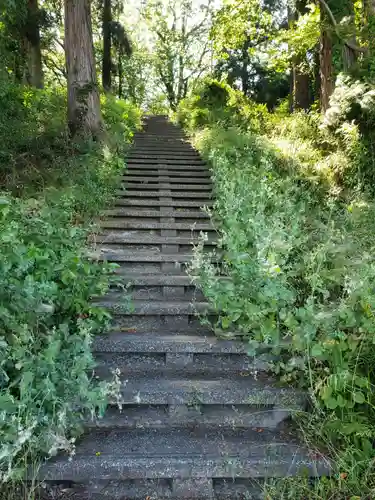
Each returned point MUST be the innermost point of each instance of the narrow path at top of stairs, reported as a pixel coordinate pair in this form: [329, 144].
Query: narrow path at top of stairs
[200, 419]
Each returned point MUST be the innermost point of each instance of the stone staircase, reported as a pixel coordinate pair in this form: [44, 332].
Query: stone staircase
[200, 419]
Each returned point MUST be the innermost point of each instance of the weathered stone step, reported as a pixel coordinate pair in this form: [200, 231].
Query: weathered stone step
[151, 453]
[175, 214]
[176, 161]
[121, 342]
[130, 186]
[165, 166]
[156, 292]
[128, 256]
[154, 307]
[123, 223]
[177, 174]
[162, 489]
[218, 390]
[181, 364]
[151, 155]
[134, 181]
[206, 416]
[123, 237]
[204, 197]
[173, 325]
[175, 203]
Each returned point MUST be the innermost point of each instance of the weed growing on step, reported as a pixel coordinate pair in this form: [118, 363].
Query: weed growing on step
[47, 280]
[298, 249]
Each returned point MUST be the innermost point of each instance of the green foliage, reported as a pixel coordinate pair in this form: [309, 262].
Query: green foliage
[47, 280]
[298, 255]
[216, 102]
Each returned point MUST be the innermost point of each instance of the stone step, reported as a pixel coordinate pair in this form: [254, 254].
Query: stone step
[175, 365]
[206, 416]
[215, 390]
[175, 214]
[166, 166]
[162, 179]
[152, 307]
[162, 343]
[176, 454]
[130, 186]
[127, 237]
[175, 203]
[174, 325]
[175, 161]
[129, 256]
[154, 292]
[204, 174]
[159, 489]
[160, 155]
[123, 223]
[203, 197]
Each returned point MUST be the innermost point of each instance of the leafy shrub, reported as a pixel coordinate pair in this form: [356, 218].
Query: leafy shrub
[46, 321]
[47, 282]
[301, 274]
[216, 102]
[351, 121]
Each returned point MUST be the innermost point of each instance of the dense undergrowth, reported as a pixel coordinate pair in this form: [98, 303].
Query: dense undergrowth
[52, 188]
[296, 220]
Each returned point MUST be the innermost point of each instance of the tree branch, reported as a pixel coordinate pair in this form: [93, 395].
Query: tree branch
[349, 44]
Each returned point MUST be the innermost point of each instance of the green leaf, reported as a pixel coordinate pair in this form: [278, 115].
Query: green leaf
[359, 397]
[316, 350]
[331, 403]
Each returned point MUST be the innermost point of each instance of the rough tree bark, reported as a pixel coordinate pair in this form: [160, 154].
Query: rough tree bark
[107, 60]
[34, 68]
[300, 80]
[326, 69]
[84, 115]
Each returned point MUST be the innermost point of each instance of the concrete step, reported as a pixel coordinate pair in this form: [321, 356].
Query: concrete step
[175, 161]
[158, 489]
[138, 257]
[203, 174]
[166, 166]
[175, 365]
[184, 416]
[174, 214]
[162, 179]
[204, 197]
[176, 454]
[174, 325]
[128, 237]
[115, 303]
[130, 186]
[123, 223]
[152, 291]
[166, 155]
[175, 203]
[163, 343]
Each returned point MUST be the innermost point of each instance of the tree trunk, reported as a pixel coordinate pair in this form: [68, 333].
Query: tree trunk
[34, 70]
[107, 62]
[120, 73]
[83, 97]
[325, 59]
[300, 80]
[245, 66]
[301, 89]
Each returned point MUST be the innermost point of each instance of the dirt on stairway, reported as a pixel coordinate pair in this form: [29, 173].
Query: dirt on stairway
[200, 419]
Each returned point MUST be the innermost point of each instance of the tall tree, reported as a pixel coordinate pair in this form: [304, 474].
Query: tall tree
[300, 77]
[181, 43]
[107, 59]
[34, 68]
[84, 114]
[326, 66]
